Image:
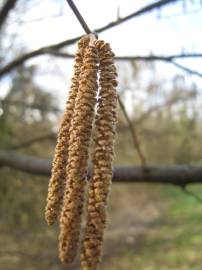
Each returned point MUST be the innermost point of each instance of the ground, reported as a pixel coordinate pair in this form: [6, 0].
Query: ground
[150, 228]
[170, 239]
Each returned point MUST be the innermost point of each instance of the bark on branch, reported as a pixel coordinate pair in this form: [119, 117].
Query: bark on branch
[8, 6]
[179, 175]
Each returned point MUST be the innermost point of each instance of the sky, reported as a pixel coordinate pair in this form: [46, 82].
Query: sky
[163, 32]
[145, 34]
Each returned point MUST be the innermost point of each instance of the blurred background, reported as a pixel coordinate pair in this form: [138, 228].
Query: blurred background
[159, 51]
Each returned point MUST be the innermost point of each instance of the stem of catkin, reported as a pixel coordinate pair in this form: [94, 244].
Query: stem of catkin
[78, 153]
[58, 178]
[102, 159]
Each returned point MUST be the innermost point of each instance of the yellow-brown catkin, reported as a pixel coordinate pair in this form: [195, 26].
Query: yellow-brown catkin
[80, 134]
[102, 159]
[58, 177]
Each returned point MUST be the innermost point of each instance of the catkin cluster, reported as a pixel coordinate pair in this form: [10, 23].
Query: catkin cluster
[93, 84]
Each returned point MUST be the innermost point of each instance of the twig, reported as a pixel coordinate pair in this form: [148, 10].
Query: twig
[135, 57]
[141, 11]
[44, 50]
[133, 133]
[31, 141]
[168, 103]
[79, 17]
[192, 194]
[40, 107]
[188, 70]
[167, 59]
[8, 6]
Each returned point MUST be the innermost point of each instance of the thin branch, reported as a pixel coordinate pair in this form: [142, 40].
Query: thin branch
[8, 6]
[186, 69]
[179, 175]
[191, 194]
[133, 133]
[168, 103]
[136, 57]
[168, 59]
[79, 16]
[145, 131]
[144, 10]
[41, 107]
[44, 50]
[30, 142]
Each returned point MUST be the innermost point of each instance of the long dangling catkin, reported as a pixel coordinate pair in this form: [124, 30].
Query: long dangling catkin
[80, 134]
[58, 177]
[102, 159]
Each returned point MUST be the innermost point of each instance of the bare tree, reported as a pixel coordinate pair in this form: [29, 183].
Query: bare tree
[178, 175]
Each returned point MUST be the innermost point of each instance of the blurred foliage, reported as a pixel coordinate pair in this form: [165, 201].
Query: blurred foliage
[167, 120]
[26, 114]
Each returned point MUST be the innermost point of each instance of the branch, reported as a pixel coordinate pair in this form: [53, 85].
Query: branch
[8, 6]
[144, 10]
[25, 163]
[179, 175]
[41, 107]
[186, 69]
[27, 143]
[136, 57]
[168, 59]
[192, 194]
[133, 133]
[45, 50]
[163, 58]
[168, 103]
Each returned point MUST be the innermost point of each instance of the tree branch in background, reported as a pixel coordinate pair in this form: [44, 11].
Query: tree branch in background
[7, 7]
[27, 143]
[168, 59]
[148, 58]
[133, 133]
[167, 103]
[25, 104]
[179, 175]
[141, 11]
[188, 70]
[191, 194]
[45, 50]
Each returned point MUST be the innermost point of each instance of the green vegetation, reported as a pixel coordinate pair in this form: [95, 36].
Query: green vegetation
[175, 242]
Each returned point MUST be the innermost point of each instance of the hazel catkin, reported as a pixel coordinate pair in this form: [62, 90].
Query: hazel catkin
[80, 134]
[58, 175]
[69, 172]
[102, 159]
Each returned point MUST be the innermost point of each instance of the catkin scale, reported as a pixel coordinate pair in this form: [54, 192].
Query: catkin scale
[102, 160]
[58, 176]
[80, 133]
